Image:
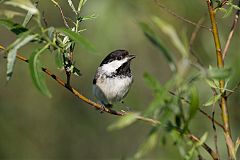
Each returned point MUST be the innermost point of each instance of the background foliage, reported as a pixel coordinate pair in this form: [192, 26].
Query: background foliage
[35, 127]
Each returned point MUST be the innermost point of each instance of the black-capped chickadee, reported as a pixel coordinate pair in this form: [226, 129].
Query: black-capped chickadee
[113, 78]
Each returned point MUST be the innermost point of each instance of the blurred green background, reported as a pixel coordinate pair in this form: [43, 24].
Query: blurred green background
[33, 126]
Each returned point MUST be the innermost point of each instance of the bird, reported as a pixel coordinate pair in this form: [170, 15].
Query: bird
[113, 78]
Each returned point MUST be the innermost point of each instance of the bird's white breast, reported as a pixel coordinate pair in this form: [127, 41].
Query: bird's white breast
[115, 88]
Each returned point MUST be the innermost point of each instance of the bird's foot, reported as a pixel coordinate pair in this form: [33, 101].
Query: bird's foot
[102, 109]
[105, 107]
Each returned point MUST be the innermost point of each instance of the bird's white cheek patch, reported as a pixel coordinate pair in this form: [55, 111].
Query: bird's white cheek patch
[113, 66]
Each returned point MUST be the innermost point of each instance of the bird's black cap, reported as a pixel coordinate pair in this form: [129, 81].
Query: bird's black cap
[115, 55]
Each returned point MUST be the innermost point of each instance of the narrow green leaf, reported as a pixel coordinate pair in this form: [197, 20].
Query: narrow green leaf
[213, 83]
[219, 73]
[72, 6]
[10, 14]
[184, 39]
[202, 139]
[89, 17]
[27, 19]
[76, 71]
[37, 73]
[24, 4]
[152, 82]
[147, 146]
[190, 154]
[51, 34]
[81, 4]
[13, 27]
[212, 100]
[170, 31]
[223, 10]
[77, 38]
[194, 102]
[149, 33]
[237, 144]
[124, 121]
[228, 11]
[192, 151]
[59, 59]
[12, 51]
[160, 93]
[236, 7]
[29, 15]
[156, 104]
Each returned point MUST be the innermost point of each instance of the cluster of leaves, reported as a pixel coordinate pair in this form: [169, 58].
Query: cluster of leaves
[230, 7]
[58, 41]
[176, 102]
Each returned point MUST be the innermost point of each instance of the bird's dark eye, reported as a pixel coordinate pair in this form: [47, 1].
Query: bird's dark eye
[119, 58]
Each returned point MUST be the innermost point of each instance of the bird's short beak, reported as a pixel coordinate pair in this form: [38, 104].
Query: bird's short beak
[131, 57]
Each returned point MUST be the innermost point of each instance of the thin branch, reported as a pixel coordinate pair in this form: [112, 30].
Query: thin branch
[215, 135]
[209, 117]
[193, 37]
[213, 124]
[223, 100]
[195, 32]
[61, 11]
[232, 30]
[44, 19]
[180, 17]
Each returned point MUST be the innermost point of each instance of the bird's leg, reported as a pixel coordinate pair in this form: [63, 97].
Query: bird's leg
[105, 107]
[102, 109]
